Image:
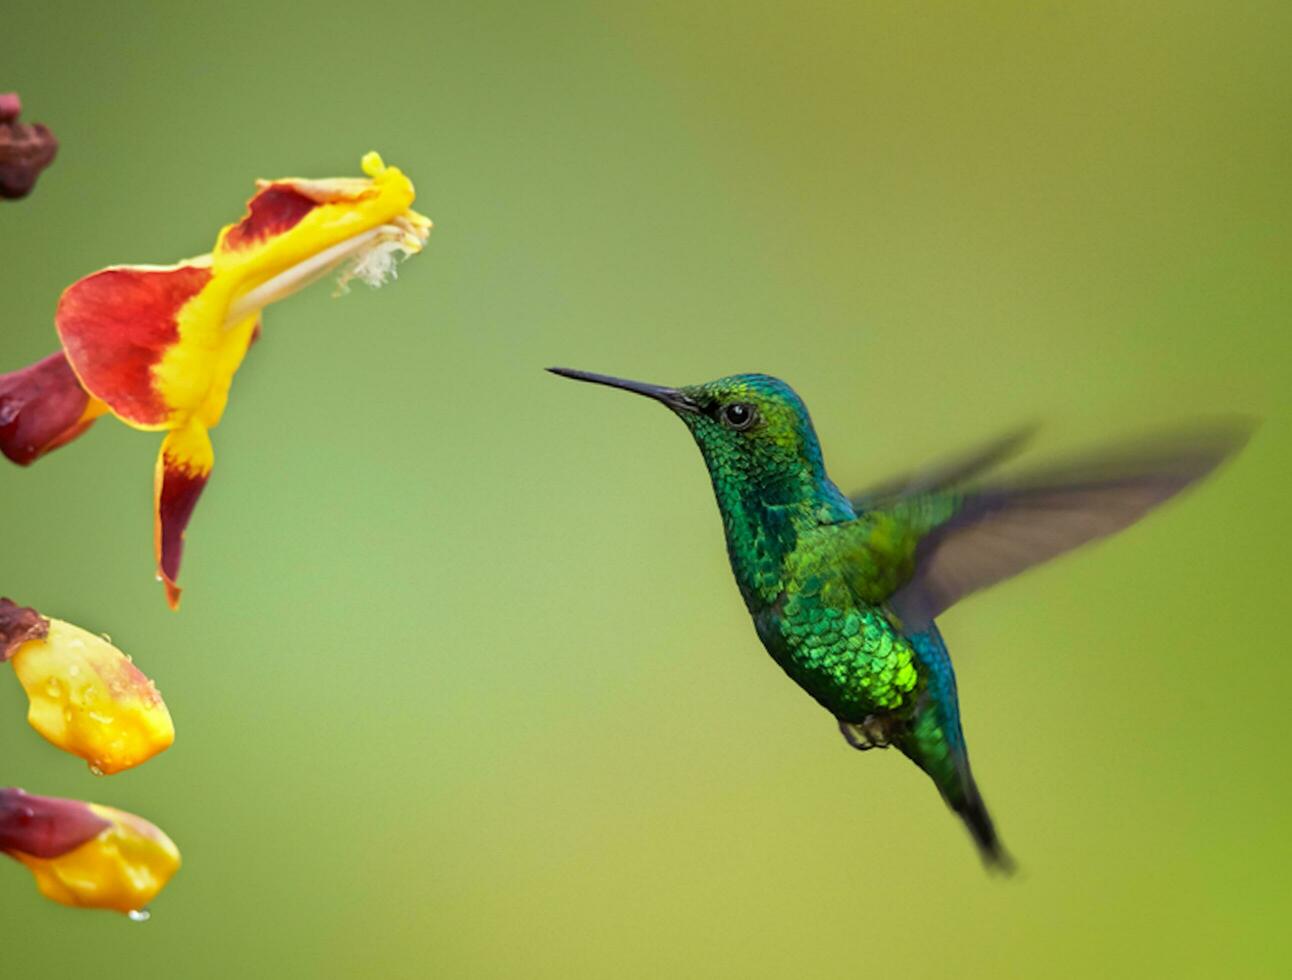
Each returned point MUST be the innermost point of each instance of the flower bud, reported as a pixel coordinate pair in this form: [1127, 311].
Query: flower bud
[85, 695]
[42, 407]
[86, 855]
[25, 149]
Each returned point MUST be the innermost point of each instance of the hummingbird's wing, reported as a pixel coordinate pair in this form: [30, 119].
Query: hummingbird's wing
[944, 473]
[967, 539]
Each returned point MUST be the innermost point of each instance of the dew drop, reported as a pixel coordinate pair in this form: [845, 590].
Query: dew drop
[54, 688]
[139, 915]
[105, 637]
[96, 771]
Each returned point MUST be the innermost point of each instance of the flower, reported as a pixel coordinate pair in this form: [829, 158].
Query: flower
[85, 695]
[26, 149]
[157, 346]
[84, 854]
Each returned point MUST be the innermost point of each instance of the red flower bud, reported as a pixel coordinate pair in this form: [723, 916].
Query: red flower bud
[43, 406]
[25, 149]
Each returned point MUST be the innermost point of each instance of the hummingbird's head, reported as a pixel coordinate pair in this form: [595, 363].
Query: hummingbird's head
[754, 431]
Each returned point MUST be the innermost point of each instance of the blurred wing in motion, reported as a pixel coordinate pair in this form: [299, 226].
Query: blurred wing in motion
[945, 473]
[1000, 530]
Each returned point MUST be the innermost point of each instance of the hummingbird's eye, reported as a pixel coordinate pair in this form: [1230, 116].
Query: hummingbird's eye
[738, 415]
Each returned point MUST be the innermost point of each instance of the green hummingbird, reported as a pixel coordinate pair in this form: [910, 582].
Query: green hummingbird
[844, 591]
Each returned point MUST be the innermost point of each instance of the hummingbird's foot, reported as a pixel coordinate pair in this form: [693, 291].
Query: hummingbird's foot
[872, 733]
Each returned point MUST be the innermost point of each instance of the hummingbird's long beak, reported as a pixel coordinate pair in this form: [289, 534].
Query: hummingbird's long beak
[671, 397]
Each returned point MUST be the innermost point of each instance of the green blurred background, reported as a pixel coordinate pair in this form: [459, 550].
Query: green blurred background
[462, 684]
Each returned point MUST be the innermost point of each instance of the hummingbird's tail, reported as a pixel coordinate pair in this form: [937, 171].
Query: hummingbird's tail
[974, 813]
[947, 764]
[935, 743]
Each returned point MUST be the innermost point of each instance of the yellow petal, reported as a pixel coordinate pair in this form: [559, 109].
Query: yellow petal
[87, 698]
[297, 230]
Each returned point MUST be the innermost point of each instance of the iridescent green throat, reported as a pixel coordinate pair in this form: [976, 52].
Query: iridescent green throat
[769, 480]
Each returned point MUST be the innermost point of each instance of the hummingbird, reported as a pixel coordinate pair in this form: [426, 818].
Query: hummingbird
[844, 591]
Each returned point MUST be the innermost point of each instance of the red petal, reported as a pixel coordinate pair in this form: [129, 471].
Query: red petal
[41, 407]
[275, 209]
[183, 468]
[18, 624]
[117, 324]
[45, 826]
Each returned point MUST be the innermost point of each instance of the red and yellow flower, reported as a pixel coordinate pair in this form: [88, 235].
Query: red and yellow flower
[84, 854]
[158, 346]
[85, 696]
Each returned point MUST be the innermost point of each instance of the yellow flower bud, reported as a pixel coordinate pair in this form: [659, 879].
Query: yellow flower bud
[86, 855]
[87, 698]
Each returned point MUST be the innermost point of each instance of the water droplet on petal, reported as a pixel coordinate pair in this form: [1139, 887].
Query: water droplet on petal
[139, 915]
[106, 638]
[96, 771]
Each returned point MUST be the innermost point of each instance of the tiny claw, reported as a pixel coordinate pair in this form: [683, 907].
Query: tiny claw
[871, 733]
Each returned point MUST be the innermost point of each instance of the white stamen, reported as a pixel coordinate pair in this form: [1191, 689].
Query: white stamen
[370, 256]
[375, 264]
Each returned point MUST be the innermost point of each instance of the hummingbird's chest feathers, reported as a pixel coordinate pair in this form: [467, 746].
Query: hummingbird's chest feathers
[794, 581]
[844, 653]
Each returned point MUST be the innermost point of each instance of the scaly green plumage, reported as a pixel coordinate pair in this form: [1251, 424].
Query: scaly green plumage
[843, 592]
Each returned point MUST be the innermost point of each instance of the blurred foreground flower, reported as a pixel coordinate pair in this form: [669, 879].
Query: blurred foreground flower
[25, 149]
[86, 855]
[157, 346]
[85, 695]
